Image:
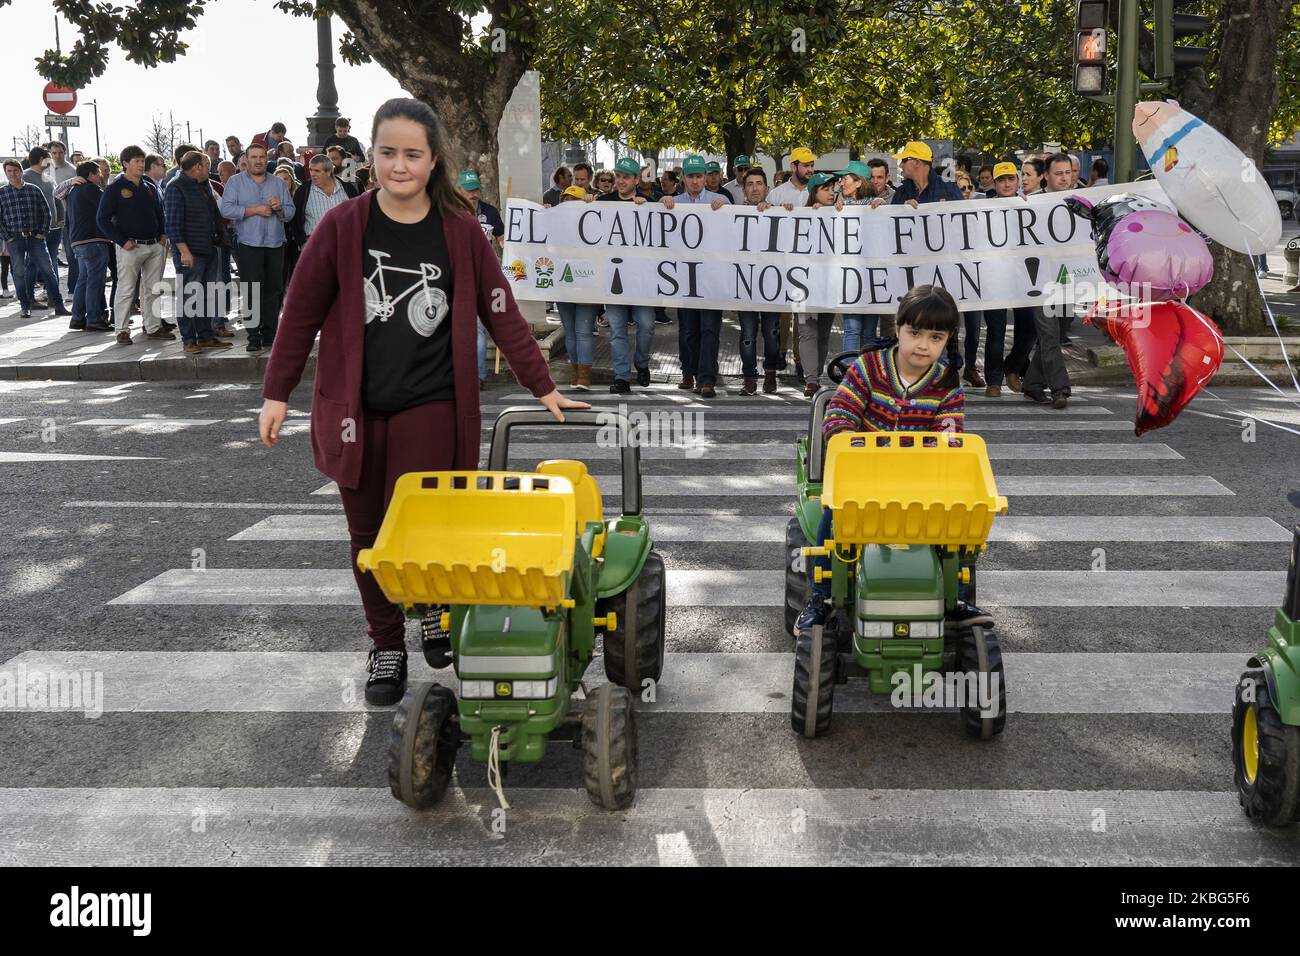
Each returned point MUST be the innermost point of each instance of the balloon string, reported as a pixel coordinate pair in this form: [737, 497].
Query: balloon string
[1276, 331]
[1243, 414]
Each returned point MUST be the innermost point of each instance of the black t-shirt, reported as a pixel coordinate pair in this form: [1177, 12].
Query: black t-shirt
[406, 273]
[615, 197]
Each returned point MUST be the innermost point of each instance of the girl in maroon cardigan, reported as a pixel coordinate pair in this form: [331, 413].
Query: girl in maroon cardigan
[395, 282]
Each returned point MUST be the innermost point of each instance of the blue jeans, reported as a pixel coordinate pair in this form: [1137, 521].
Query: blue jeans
[579, 321]
[88, 294]
[73, 268]
[194, 285]
[994, 345]
[857, 329]
[750, 322]
[31, 262]
[1022, 340]
[699, 332]
[619, 315]
[822, 587]
[53, 243]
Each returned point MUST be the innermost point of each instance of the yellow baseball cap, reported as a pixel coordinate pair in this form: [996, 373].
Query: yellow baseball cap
[916, 150]
[803, 155]
[577, 192]
[1004, 169]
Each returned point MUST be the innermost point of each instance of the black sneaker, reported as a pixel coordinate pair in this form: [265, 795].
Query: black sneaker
[643, 377]
[387, 680]
[253, 346]
[813, 613]
[620, 387]
[1060, 399]
[435, 641]
[77, 326]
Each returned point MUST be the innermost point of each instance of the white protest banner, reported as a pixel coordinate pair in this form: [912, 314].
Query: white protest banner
[988, 253]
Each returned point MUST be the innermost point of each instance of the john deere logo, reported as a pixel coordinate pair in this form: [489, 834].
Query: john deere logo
[543, 268]
[902, 629]
[503, 688]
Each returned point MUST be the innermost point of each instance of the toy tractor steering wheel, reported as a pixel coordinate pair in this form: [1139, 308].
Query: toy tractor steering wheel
[837, 367]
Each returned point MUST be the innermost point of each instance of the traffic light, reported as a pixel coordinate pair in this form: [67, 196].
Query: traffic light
[1090, 47]
[1171, 26]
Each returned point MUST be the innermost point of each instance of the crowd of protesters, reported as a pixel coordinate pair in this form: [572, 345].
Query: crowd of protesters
[1034, 366]
[248, 213]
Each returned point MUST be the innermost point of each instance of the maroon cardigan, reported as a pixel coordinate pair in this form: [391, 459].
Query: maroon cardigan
[326, 296]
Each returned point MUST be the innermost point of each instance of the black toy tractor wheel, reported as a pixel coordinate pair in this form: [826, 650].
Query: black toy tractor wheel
[423, 745]
[796, 575]
[980, 652]
[1265, 754]
[634, 651]
[813, 696]
[609, 768]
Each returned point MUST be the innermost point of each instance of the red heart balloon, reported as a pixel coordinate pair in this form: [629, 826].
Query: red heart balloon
[1172, 349]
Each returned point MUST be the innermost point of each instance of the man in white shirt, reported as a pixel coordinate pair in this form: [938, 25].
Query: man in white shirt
[793, 192]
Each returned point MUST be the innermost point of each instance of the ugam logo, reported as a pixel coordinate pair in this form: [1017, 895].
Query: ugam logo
[518, 271]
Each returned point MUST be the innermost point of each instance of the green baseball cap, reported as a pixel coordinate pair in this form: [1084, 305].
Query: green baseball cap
[468, 179]
[819, 179]
[713, 168]
[742, 161]
[628, 165]
[856, 167]
[694, 164]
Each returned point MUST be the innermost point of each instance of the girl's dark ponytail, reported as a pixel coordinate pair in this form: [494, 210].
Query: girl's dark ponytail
[952, 374]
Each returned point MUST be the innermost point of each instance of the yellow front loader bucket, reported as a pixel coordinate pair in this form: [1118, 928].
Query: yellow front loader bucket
[476, 537]
[910, 488]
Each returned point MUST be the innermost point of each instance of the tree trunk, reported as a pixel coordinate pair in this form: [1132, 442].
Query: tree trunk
[738, 136]
[468, 92]
[1240, 107]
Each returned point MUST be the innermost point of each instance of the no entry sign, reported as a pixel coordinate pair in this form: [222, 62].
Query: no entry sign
[59, 99]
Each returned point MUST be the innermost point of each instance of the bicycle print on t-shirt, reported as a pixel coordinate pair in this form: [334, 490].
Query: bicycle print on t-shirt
[387, 286]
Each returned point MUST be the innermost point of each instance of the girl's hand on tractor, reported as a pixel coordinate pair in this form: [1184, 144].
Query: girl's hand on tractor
[553, 401]
[272, 417]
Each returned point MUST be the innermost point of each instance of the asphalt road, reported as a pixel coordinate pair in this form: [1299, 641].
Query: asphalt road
[231, 731]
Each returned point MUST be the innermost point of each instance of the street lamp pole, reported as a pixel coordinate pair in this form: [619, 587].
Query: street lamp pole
[95, 106]
[320, 127]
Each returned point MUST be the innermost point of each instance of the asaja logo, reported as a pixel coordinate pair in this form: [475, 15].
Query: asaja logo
[518, 271]
[543, 269]
[567, 275]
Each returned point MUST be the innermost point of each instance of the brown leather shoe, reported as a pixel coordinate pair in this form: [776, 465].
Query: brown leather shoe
[974, 378]
[584, 378]
[810, 389]
[160, 333]
[687, 384]
[750, 387]
[707, 391]
[573, 375]
[769, 381]
[192, 348]
[1013, 381]
[993, 391]
[123, 338]
[217, 344]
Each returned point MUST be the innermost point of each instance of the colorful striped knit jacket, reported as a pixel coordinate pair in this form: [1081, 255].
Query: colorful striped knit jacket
[872, 398]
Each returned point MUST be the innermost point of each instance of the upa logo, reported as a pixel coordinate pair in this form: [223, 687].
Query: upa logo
[74, 909]
[543, 268]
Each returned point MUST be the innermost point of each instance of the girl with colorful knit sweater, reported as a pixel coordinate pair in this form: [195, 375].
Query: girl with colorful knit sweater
[901, 384]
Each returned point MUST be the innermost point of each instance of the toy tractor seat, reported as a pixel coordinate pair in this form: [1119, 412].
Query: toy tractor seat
[477, 537]
[586, 496]
[923, 488]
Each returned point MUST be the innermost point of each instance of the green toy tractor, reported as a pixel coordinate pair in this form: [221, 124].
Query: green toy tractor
[911, 513]
[532, 572]
[1266, 715]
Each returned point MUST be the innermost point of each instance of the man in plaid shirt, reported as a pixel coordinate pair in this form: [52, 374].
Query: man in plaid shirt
[24, 221]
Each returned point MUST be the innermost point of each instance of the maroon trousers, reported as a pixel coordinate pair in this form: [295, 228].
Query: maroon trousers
[422, 438]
